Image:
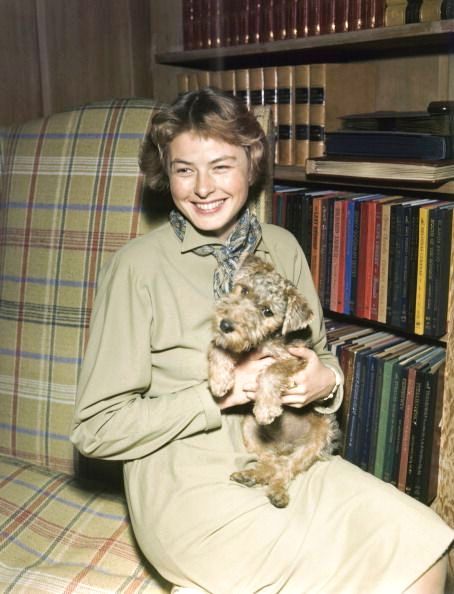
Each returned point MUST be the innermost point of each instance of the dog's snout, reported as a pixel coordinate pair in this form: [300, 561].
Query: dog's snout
[226, 326]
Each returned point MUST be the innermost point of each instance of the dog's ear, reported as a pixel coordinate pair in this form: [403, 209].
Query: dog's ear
[249, 265]
[298, 314]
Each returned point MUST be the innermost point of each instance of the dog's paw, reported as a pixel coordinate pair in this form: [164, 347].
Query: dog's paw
[245, 477]
[265, 415]
[279, 498]
[219, 389]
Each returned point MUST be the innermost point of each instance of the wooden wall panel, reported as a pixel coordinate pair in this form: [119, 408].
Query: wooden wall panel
[70, 52]
[20, 77]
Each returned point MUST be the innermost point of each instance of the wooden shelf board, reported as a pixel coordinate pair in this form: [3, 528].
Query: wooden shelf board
[297, 174]
[433, 37]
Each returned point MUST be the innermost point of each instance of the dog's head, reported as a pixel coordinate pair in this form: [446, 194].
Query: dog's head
[261, 304]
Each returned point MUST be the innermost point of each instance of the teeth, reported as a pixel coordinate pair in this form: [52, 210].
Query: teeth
[209, 206]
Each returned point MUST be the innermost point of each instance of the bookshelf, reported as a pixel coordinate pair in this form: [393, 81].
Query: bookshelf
[413, 66]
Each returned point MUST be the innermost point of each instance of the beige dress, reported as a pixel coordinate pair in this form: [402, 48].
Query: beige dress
[143, 399]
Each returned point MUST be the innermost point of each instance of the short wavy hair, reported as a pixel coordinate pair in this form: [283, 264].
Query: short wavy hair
[212, 114]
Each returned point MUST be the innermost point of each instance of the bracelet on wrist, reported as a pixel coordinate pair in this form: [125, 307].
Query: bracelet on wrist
[336, 385]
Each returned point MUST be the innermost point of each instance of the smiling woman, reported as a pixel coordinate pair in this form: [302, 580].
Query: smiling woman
[144, 398]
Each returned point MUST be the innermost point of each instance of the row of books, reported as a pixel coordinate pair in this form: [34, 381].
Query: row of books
[378, 257]
[392, 405]
[306, 100]
[222, 23]
[391, 145]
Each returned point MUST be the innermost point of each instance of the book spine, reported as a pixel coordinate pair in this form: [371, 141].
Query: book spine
[384, 260]
[383, 420]
[342, 256]
[395, 13]
[256, 87]
[317, 109]
[328, 16]
[415, 420]
[228, 81]
[341, 16]
[360, 309]
[406, 429]
[241, 26]
[203, 79]
[316, 246]
[281, 19]
[268, 9]
[349, 221]
[412, 268]
[182, 83]
[188, 24]
[286, 122]
[302, 83]
[421, 271]
[376, 264]
[206, 23]
[314, 17]
[412, 11]
[446, 274]
[430, 10]
[355, 15]
[242, 88]
[433, 271]
[270, 98]
[335, 262]
[255, 21]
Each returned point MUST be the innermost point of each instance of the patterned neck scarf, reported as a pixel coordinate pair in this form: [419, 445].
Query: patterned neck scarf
[243, 240]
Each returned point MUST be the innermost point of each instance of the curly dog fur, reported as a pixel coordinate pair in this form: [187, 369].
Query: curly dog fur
[265, 312]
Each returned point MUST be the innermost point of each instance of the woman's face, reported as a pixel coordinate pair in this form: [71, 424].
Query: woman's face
[209, 182]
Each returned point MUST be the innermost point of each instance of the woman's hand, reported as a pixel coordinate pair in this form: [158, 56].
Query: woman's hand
[314, 382]
[246, 373]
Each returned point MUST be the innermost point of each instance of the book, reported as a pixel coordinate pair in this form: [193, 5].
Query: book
[430, 10]
[341, 16]
[438, 118]
[270, 98]
[422, 266]
[298, 18]
[375, 14]
[389, 145]
[228, 81]
[426, 429]
[256, 87]
[356, 15]
[286, 117]
[412, 12]
[395, 12]
[255, 21]
[381, 169]
[327, 16]
[317, 109]
[242, 86]
[302, 83]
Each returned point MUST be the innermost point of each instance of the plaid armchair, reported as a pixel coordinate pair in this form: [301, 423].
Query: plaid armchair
[70, 195]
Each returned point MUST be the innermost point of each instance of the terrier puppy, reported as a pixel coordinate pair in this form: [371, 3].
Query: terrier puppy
[265, 312]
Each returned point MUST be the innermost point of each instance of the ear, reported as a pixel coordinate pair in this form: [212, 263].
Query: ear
[298, 314]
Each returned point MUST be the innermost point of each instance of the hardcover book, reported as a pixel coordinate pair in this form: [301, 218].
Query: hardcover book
[431, 172]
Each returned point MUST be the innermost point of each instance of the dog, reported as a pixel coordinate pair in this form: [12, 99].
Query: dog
[265, 312]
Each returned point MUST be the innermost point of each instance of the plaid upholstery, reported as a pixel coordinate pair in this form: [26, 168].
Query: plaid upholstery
[70, 194]
[61, 536]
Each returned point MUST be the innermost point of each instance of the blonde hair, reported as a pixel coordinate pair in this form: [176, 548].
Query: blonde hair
[209, 113]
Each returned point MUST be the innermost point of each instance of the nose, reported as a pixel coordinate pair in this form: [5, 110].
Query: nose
[226, 326]
[204, 184]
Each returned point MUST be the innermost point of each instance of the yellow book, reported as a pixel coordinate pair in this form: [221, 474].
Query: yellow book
[242, 89]
[421, 271]
[256, 86]
[395, 12]
[270, 98]
[430, 10]
[317, 109]
[228, 81]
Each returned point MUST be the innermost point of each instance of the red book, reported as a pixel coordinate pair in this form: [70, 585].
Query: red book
[314, 17]
[356, 9]
[365, 258]
[342, 16]
[268, 20]
[342, 255]
[256, 11]
[327, 16]
[374, 14]
[406, 429]
[317, 235]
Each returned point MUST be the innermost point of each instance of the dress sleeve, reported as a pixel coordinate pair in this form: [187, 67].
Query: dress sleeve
[303, 280]
[116, 418]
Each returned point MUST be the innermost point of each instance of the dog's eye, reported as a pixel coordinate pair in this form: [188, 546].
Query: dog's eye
[244, 290]
[267, 312]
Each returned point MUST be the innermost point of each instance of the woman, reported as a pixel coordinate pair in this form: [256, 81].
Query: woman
[143, 395]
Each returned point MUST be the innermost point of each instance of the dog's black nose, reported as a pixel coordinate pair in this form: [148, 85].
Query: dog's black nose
[226, 326]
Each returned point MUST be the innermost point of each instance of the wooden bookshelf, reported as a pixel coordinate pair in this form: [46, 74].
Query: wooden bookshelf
[428, 38]
[413, 65]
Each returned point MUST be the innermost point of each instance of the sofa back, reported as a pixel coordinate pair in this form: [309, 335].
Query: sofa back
[71, 194]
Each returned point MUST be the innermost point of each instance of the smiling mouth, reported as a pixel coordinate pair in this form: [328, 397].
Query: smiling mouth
[209, 206]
